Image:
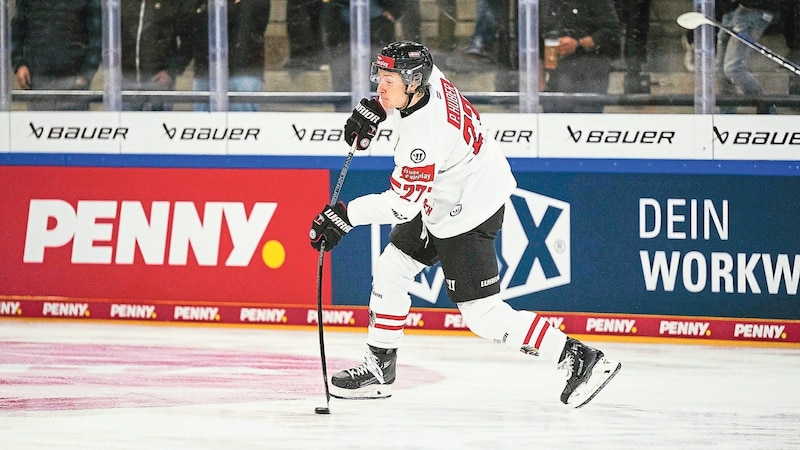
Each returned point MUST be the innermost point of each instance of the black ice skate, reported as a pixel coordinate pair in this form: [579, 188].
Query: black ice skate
[372, 378]
[589, 372]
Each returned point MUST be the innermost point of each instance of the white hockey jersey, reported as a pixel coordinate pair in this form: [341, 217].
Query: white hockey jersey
[446, 167]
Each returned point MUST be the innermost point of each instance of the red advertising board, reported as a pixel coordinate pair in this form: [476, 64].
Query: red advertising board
[160, 235]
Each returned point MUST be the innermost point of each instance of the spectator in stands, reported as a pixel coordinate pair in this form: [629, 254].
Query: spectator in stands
[151, 57]
[247, 23]
[55, 44]
[750, 18]
[304, 31]
[588, 33]
[336, 36]
[336, 22]
[314, 25]
[634, 18]
[483, 38]
[410, 19]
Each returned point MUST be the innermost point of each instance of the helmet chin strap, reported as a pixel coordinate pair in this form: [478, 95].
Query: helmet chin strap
[409, 98]
[408, 101]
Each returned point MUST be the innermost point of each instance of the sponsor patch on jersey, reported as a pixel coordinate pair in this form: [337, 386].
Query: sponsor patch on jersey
[417, 174]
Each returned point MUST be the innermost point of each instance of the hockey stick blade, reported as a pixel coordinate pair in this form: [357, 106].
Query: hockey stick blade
[692, 20]
[320, 264]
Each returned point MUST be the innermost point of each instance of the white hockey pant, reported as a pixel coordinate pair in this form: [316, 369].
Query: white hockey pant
[389, 301]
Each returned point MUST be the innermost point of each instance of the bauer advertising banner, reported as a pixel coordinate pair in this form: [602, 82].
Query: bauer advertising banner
[650, 136]
[144, 237]
[681, 245]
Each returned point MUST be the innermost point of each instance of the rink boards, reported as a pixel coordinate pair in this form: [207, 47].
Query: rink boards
[684, 228]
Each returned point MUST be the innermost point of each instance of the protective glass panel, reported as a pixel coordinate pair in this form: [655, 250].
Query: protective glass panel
[621, 56]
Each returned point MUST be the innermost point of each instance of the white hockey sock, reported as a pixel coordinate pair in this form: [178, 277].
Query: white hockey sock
[389, 301]
[492, 318]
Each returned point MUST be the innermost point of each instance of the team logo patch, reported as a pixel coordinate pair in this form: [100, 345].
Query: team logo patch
[418, 155]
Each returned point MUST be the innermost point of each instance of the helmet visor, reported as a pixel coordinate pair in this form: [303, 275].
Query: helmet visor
[409, 76]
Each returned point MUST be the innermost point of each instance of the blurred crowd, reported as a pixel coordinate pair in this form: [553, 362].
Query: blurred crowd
[56, 44]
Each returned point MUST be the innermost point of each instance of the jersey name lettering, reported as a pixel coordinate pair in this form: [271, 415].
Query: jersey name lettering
[453, 101]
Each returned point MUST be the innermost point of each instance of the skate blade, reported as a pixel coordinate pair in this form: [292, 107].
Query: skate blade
[602, 373]
[373, 391]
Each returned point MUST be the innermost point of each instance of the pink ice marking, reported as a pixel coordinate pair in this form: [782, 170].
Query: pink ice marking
[47, 376]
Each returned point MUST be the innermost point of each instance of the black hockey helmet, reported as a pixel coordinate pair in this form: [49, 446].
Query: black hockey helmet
[413, 61]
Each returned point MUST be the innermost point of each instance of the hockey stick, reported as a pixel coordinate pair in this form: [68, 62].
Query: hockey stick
[337, 189]
[692, 20]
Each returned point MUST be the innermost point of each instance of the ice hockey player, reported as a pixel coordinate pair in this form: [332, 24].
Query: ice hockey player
[446, 198]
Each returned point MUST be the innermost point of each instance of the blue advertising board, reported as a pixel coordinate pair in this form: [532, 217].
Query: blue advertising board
[700, 244]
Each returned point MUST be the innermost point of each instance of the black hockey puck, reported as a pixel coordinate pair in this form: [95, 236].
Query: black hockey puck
[322, 410]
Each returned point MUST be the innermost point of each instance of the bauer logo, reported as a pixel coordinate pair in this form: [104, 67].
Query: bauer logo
[621, 136]
[616, 135]
[757, 137]
[77, 132]
[303, 134]
[209, 133]
[533, 249]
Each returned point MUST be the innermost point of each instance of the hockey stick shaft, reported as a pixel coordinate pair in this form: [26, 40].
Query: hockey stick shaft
[338, 188]
[794, 68]
[320, 328]
[692, 20]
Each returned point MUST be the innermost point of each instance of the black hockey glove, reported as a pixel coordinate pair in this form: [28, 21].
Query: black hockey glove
[363, 123]
[329, 226]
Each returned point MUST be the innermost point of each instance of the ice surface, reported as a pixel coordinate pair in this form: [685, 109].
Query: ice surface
[100, 386]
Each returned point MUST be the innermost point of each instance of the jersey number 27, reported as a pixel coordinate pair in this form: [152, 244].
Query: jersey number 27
[471, 137]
